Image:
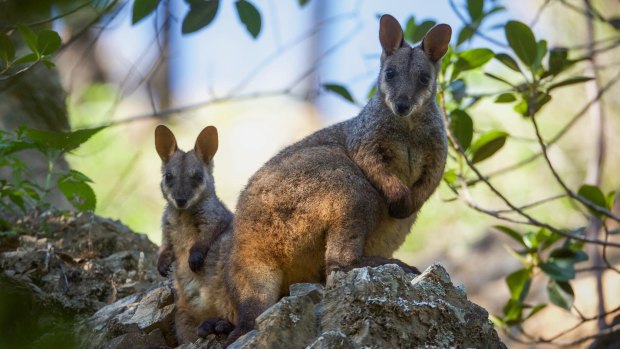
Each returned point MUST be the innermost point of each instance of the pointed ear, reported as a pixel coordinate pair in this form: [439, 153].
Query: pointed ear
[165, 143]
[206, 144]
[390, 34]
[436, 41]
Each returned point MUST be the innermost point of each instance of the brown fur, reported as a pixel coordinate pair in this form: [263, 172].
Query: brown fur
[348, 194]
[197, 232]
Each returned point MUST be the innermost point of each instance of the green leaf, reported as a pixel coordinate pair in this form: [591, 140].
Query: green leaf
[570, 81]
[519, 284]
[522, 41]
[495, 77]
[372, 91]
[49, 64]
[559, 270]
[610, 199]
[462, 127]
[614, 232]
[531, 240]
[535, 310]
[508, 61]
[340, 90]
[512, 312]
[200, 15]
[474, 7]
[474, 58]
[48, 42]
[541, 51]
[557, 60]
[59, 141]
[77, 191]
[29, 37]
[487, 145]
[415, 32]
[249, 15]
[568, 255]
[29, 58]
[7, 50]
[303, 3]
[561, 294]
[510, 232]
[593, 194]
[465, 34]
[450, 176]
[505, 98]
[143, 8]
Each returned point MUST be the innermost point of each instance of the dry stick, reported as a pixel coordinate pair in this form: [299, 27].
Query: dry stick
[596, 208]
[531, 220]
[557, 137]
[550, 340]
[476, 30]
[593, 175]
[609, 265]
[536, 203]
[541, 8]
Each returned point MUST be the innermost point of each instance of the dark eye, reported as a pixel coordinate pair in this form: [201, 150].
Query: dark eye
[197, 178]
[389, 73]
[168, 178]
[424, 79]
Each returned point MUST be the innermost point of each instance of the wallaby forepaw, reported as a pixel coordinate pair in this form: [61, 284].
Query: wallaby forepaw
[234, 335]
[196, 260]
[401, 208]
[164, 264]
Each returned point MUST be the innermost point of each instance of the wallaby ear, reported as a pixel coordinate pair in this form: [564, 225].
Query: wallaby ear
[206, 144]
[436, 41]
[390, 34]
[165, 143]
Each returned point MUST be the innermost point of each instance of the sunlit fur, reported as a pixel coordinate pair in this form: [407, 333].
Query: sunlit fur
[346, 195]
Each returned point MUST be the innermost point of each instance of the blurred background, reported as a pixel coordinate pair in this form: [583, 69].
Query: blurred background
[267, 92]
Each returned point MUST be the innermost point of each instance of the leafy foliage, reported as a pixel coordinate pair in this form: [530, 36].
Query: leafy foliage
[23, 194]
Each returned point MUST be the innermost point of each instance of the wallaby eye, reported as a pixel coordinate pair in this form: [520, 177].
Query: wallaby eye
[389, 73]
[168, 178]
[197, 178]
[424, 78]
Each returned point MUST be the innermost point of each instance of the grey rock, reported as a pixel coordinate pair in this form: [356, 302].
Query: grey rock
[290, 323]
[314, 291]
[147, 315]
[331, 340]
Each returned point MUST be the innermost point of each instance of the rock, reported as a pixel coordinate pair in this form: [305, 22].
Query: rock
[314, 291]
[379, 307]
[290, 323]
[332, 340]
[79, 262]
[383, 308]
[146, 316]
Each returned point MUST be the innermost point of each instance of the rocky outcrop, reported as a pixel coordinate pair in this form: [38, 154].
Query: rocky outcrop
[57, 270]
[379, 307]
[78, 262]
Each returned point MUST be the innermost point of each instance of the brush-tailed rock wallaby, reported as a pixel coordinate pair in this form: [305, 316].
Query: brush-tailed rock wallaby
[197, 233]
[348, 194]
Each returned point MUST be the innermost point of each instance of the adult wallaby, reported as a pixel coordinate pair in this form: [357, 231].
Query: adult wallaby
[197, 233]
[348, 194]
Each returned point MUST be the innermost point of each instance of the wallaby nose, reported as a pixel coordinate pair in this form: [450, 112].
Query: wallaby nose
[401, 108]
[181, 203]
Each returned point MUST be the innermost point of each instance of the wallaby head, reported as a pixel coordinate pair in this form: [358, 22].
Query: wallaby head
[408, 77]
[187, 177]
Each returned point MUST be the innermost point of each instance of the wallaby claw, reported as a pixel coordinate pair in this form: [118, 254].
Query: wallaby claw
[164, 264]
[214, 326]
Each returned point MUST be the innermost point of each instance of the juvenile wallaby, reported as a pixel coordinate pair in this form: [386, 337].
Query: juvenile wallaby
[348, 194]
[197, 232]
